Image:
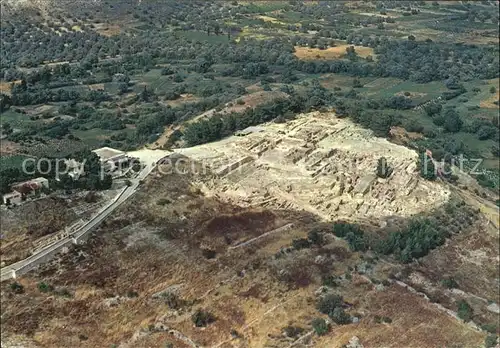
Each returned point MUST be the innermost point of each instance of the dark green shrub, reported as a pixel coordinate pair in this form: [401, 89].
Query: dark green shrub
[163, 201]
[320, 326]
[450, 283]
[490, 341]
[132, 294]
[330, 281]
[383, 170]
[491, 328]
[387, 320]
[44, 287]
[328, 303]
[426, 167]
[464, 311]
[315, 237]
[172, 300]
[17, 288]
[202, 318]
[293, 331]
[301, 243]
[341, 228]
[63, 292]
[209, 254]
[339, 316]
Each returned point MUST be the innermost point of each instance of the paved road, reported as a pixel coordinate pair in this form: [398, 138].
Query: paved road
[43, 255]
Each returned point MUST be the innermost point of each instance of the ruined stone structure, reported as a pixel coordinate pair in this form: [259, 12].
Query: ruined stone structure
[318, 163]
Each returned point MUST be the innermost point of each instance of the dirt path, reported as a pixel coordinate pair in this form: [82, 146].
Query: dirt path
[277, 230]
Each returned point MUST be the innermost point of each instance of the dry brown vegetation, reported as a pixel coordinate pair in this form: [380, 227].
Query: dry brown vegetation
[108, 29]
[337, 52]
[490, 102]
[96, 87]
[143, 274]
[399, 135]
[5, 86]
[8, 147]
[30, 222]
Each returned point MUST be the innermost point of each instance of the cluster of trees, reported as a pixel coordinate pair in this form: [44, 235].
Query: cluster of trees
[450, 120]
[383, 169]
[352, 233]
[415, 240]
[332, 305]
[51, 169]
[404, 59]
[219, 126]
[202, 318]
[426, 166]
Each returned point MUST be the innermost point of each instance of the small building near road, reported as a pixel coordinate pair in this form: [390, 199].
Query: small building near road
[107, 154]
[12, 198]
[30, 186]
[111, 158]
[115, 162]
[22, 190]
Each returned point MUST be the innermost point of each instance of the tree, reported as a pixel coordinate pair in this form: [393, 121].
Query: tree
[122, 88]
[17, 288]
[5, 102]
[490, 341]
[202, 318]
[146, 94]
[356, 241]
[329, 302]
[167, 71]
[452, 121]
[320, 326]
[464, 311]
[341, 229]
[486, 132]
[412, 125]
[265, 86]
[493, 90]
[44, 287]
[351, 53]
[339, 316]
[433, 108]
[449, 283]
[426, 167]
[301, 243]
[383, 170]
[315, 237]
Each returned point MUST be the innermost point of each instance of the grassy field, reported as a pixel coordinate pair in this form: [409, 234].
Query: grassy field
[419, 93]
[17, 120]
[343, 81]
[203, 36]
[478, 101]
